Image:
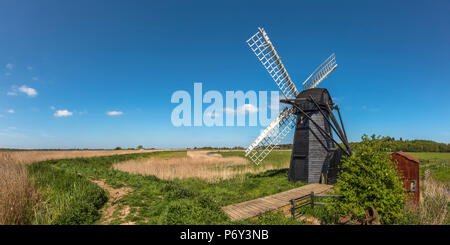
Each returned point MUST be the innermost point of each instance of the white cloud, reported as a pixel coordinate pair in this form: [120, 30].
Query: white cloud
[27, 90]
[11, 111]
[62, 113]
[9, 66]
[11, 93]
[246, 108]
[229, 110]
[212, 114]
[114, 113]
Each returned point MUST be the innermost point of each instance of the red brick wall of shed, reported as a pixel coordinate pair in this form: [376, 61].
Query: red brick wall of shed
[409, 170]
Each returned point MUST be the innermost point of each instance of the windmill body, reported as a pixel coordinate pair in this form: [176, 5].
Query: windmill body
[315, 153]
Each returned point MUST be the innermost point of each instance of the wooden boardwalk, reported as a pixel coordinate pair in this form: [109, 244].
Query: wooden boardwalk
[257, 206]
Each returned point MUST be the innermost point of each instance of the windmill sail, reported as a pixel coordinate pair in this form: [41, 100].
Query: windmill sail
[271, 136]
[320, 73]
[266, 53]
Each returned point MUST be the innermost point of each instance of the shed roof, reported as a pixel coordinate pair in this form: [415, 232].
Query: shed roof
[411, 158]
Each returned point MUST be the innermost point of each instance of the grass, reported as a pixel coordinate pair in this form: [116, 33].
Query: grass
[18, 196]
[437, 163]
[72, 199]
[30, 156]
[193, 164]
[214, 167]
[434, 208]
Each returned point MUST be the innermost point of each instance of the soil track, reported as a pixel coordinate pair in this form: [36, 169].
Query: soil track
[109, 211]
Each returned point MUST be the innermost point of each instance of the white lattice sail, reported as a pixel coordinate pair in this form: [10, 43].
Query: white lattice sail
[262, 47]
[271, 136]
[320, 73]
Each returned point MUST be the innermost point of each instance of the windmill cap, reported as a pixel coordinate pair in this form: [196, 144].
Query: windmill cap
[318, 94]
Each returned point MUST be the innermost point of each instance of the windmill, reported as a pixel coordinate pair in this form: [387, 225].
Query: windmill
[315, 154]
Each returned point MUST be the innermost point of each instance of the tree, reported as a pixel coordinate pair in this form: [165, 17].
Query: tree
[118, 148]
[140, 147]
[369, 178]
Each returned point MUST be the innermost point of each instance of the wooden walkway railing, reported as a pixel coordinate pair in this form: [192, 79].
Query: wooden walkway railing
[261, 205]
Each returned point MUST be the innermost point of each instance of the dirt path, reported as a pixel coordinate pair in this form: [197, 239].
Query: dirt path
[112, 209]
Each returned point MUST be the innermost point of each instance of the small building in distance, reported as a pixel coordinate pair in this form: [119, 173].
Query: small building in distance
[408, 167]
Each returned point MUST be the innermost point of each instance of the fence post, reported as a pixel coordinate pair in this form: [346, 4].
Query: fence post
[312, 199]
[292, 209]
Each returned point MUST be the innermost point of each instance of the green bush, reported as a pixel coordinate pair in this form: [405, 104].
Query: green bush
[369, 178]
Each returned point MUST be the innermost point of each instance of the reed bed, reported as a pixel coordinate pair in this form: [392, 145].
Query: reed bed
[30, 156]
[197, 164]
[433, 208]
[18, 197]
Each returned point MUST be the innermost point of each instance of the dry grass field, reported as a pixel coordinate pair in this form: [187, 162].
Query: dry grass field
[27, 157]
[17, 194]
[197, 164]
[117, 187]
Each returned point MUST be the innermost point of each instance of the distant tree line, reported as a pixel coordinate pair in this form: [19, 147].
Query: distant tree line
[392, 144]
[217, 148]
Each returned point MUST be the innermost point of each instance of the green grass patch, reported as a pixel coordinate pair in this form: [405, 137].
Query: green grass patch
[438, 163]
[69, 198]
[72, 199]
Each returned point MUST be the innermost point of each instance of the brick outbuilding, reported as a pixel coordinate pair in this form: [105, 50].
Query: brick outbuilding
[408, 167]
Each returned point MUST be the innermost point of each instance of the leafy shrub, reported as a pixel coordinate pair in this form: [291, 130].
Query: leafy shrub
[369, 178]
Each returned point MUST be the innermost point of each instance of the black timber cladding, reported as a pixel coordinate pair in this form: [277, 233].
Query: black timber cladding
[314, 157]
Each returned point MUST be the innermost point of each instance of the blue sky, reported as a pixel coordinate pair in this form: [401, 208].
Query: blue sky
[94, 57]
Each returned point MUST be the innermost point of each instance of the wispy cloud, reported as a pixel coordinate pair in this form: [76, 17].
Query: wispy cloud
[114, 113]
[62, 113]
[366, 108]
[52, 108]
[28, 91]
[29, 68]
[12, 132]
[246, 108]
[8, 74]
[31, 92]
[9, 66]
[212, 114]
[35, 78]
[11, 111]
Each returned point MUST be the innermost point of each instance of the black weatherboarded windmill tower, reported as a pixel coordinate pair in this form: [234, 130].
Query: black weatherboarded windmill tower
[315, 153]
